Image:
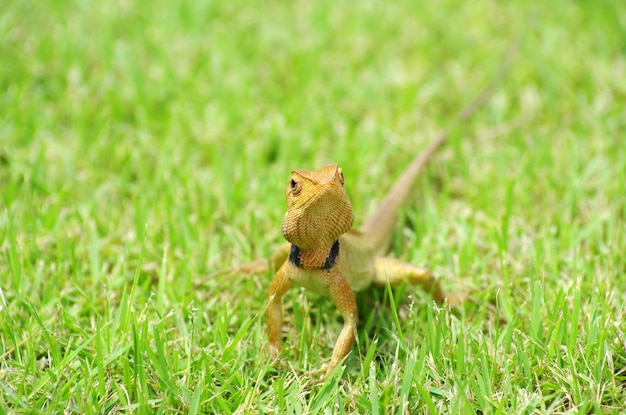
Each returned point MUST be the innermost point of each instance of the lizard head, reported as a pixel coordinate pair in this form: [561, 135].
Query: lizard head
[318, 208]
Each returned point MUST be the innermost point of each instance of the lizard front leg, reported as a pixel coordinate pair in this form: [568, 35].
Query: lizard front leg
[279, 286]
[343, 297]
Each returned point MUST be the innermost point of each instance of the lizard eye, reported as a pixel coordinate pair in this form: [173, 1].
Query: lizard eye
[294, 186]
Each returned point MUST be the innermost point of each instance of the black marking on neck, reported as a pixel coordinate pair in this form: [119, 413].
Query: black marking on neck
[294, 256]
[331, 259]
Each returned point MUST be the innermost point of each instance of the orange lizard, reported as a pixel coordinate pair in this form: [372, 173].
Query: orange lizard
[327, 257]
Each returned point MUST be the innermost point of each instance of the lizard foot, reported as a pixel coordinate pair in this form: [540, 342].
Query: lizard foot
[319, 376]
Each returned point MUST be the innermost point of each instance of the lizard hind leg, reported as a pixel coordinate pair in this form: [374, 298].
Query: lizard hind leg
[395, 272]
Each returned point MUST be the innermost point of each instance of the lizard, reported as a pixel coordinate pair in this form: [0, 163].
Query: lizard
[326, 256]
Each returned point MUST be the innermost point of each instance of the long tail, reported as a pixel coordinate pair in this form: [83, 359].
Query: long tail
[379, 227]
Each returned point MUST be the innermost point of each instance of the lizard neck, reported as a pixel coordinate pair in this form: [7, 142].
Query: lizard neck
[317, 258]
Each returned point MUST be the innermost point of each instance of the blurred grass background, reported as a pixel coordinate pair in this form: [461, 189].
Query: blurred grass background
[144, 145]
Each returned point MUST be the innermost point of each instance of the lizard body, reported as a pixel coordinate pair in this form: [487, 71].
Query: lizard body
[327, 257]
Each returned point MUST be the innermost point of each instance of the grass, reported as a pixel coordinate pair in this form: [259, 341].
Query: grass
[144, 146]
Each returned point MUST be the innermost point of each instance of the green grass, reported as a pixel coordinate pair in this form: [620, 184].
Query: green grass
[144, 146]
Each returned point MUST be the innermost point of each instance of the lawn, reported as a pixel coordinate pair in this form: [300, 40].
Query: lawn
[146, 145]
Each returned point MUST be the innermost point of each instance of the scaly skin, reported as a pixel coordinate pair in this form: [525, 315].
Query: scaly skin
[329, 259]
